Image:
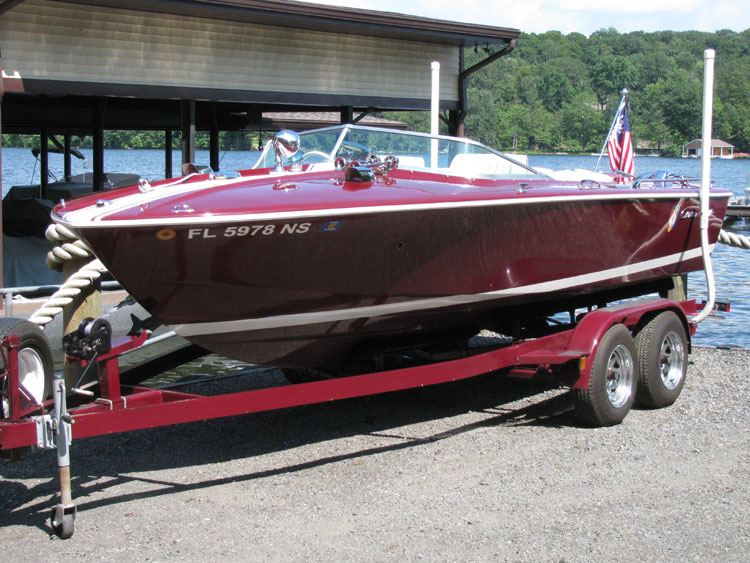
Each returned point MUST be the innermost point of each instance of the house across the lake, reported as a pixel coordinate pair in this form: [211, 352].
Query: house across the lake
[719, 149]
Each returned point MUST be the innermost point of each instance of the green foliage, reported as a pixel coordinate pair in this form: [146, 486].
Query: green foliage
[121, 139]
[558, 92]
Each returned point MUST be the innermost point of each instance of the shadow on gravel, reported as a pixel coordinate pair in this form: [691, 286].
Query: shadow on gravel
[221, 440]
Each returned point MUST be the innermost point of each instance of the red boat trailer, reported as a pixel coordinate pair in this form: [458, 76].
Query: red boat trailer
[595, 355]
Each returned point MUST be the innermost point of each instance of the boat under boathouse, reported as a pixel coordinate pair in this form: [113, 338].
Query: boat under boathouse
[80, 67]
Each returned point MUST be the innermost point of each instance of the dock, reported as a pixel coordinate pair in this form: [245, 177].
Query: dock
[737, 211]
[739, 206]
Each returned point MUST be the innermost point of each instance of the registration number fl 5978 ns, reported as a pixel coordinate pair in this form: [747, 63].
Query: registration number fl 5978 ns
[250, 230]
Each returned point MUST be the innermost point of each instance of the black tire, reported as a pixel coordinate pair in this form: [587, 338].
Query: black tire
[35, 363]
[613, 380]
[662, 360]
[63, 522]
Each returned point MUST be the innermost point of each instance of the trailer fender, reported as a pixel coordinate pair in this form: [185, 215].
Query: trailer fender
[588, 333]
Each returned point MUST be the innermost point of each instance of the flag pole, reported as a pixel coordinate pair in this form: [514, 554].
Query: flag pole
[624, 93]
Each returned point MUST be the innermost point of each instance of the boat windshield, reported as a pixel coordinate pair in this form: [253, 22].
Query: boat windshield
[448, 155]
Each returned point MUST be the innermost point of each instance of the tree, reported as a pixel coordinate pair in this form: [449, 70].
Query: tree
[583, 124]
[647, 117]
[610, 75]
[681, 105]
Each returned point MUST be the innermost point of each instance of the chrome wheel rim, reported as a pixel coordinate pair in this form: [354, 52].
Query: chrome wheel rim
[671, 360]
[619, 376]
[31, 373]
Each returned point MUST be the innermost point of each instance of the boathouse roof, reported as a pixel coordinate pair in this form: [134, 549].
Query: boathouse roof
[271, 52]
[336, 19]
[715, 143]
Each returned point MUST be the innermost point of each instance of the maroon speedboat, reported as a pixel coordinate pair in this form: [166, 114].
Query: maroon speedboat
[366, 240]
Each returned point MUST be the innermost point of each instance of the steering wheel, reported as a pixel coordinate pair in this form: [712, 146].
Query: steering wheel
[354, 151]
[316, 155]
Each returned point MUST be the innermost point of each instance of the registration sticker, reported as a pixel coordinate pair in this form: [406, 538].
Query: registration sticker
[331, 226]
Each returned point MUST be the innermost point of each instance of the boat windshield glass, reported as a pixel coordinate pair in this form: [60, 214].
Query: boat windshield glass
[448, 155]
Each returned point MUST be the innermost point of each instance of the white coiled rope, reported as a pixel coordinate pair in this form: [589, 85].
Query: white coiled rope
[69, 248]
[732, 239]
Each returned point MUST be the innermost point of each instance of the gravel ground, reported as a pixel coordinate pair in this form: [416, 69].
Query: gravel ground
[482, 470]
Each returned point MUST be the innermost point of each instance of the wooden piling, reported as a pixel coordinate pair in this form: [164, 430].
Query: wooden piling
[88, 303]
[679, 291]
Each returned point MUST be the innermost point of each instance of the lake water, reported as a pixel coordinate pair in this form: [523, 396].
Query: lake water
[730, 264]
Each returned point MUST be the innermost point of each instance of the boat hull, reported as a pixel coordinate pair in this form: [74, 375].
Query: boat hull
[320, 291]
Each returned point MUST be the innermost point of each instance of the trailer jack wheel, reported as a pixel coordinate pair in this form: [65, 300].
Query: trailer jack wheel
[63, 520]
[612, 382]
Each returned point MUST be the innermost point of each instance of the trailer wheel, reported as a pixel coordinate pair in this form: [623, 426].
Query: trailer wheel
[35, 363]
[612, 382]
[662, 360]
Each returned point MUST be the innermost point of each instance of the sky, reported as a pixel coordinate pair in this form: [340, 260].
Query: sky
[583, 16]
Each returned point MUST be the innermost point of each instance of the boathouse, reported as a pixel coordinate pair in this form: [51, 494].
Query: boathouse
[79, 67]
[719, 149]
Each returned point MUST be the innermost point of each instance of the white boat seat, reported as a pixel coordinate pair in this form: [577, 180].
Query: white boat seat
[410, 161]
[475, 165]
[577, 175]
[406, 160]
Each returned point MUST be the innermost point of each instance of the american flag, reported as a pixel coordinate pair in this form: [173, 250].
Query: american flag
[620, 145]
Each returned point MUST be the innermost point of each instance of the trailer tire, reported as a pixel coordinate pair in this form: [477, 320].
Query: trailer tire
[35, 363]
[662, 360]
[612, 382]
